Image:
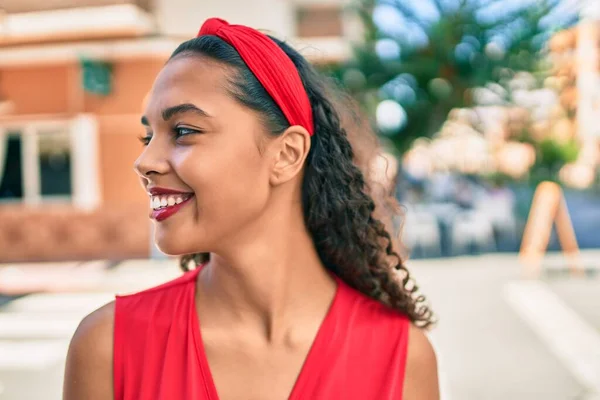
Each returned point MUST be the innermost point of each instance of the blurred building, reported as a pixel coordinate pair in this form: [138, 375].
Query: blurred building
[73, 76]
[576, 56]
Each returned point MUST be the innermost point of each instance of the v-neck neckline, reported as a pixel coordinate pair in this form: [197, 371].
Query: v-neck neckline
[313, 362]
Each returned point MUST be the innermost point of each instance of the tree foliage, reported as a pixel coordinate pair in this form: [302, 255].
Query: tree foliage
[430, 62]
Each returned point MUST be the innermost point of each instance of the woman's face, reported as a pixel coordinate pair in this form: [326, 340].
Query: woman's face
[206, 164]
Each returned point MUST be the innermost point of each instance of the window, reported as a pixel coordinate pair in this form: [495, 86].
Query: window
[11, 170]
[36, 165]
[54, 157]
[317, 20]
[38, 162]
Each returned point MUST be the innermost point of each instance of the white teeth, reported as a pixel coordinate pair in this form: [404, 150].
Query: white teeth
[158, 202]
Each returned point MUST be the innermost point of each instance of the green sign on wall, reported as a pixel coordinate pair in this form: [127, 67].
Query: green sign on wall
[96, 76]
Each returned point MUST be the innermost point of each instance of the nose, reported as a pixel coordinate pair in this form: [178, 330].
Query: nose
[152, 161]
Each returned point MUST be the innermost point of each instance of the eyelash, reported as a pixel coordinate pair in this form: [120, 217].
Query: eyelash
[177, 132]
[145, 139]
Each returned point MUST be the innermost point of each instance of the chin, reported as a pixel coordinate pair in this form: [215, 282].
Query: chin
[171, 245]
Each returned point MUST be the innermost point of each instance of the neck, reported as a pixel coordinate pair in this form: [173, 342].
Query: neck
[269, 277]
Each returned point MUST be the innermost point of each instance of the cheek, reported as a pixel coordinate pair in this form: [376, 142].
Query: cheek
[232, 190]
[230, 186]
[241, 188]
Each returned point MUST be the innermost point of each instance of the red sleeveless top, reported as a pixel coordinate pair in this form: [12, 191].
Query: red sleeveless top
[359, 352]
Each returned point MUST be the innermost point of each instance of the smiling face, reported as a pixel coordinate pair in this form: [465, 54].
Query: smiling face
[206, 152]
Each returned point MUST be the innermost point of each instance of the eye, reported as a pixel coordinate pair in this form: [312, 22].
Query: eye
[181, 131]
[145, 139]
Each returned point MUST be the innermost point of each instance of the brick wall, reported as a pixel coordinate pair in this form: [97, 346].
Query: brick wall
[62, 233]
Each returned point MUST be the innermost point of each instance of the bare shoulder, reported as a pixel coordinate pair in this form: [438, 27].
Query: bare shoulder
[421, 379]
[88, 372]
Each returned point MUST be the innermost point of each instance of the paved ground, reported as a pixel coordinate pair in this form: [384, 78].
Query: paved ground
[493, 338]
[487, 349]
[35, 329]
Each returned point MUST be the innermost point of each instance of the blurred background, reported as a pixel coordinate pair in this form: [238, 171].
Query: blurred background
[476, 103]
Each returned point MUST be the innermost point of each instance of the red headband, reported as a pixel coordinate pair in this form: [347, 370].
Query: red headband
[271, 66]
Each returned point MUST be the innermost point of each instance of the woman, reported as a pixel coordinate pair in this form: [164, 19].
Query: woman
[298, 292]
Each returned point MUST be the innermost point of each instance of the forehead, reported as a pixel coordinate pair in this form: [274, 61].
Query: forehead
[189, 79]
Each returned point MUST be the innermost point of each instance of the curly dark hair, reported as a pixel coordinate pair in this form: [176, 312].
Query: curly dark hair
[348, 216]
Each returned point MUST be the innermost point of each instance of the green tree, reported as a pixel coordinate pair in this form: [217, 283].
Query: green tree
[429, 63]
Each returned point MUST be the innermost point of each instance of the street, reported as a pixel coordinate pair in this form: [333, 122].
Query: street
[498, 337]
[488, 349]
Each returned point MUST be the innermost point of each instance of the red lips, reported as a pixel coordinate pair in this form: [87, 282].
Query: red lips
[158, 191]
[163, 213]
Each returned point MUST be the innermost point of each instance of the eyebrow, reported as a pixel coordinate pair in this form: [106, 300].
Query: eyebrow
[168, 113]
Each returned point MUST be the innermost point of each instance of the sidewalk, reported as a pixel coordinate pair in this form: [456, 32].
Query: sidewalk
[488, 347]
[89, 276]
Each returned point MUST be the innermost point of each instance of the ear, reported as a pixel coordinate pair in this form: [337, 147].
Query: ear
[291, 151]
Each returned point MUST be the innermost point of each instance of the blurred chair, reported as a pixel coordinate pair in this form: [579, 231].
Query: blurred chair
[421, 233]
[445, 213]
[499, 210]
[472, 229]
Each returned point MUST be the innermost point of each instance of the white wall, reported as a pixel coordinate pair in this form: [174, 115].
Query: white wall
[184, 17]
